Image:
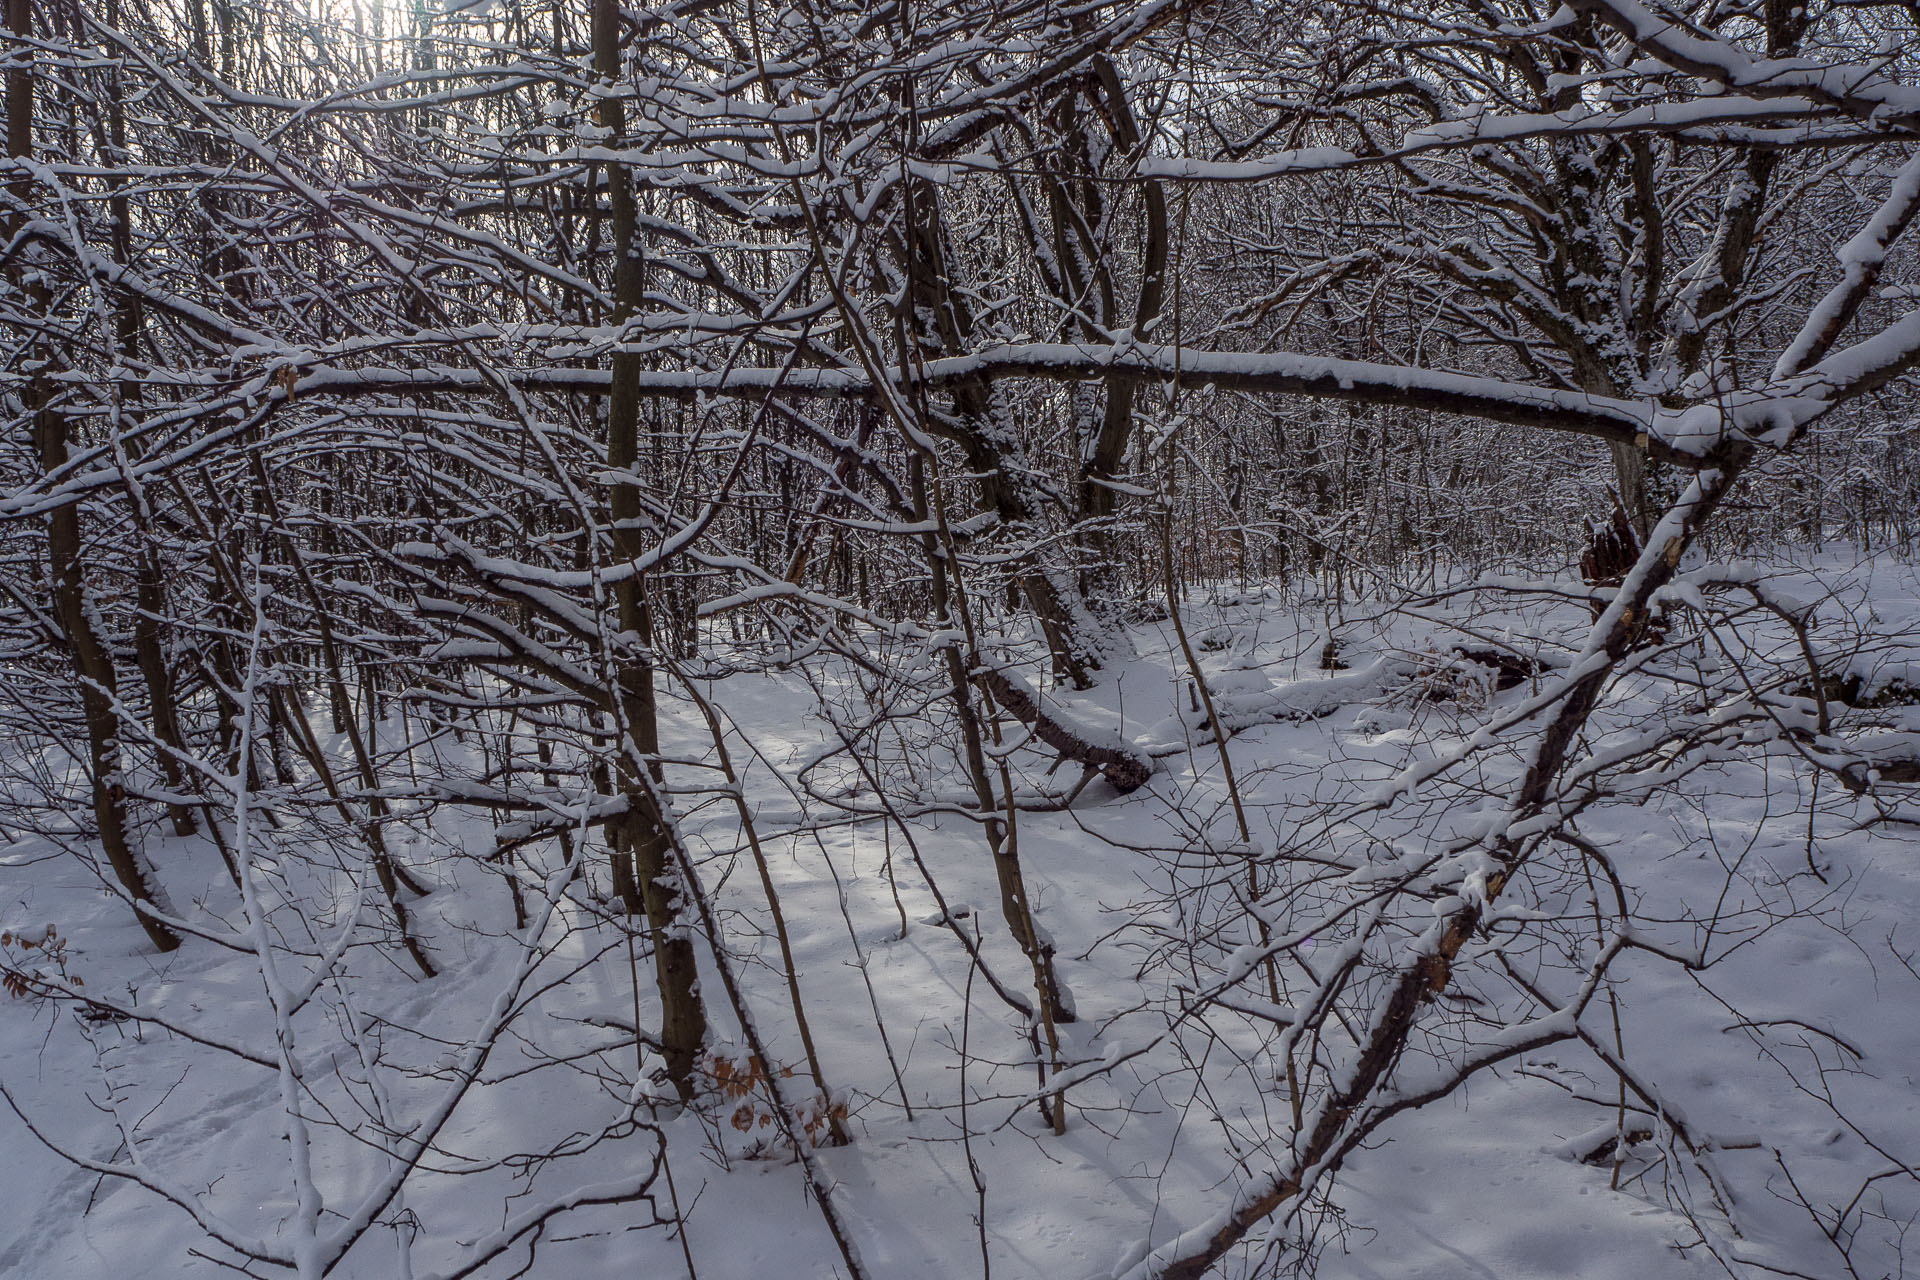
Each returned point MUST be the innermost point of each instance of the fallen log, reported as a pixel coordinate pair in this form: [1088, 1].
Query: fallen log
[1123, 766]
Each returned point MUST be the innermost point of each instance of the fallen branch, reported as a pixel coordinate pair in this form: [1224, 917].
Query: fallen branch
[1126, 768]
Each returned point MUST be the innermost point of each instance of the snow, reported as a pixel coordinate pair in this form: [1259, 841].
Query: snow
[1786, 1048]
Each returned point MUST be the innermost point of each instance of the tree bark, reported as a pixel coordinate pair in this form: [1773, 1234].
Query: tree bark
[643, 852]
[1126, 770]
[92, 662]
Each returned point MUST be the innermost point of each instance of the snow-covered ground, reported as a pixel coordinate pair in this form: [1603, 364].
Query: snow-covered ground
[1785, 1053]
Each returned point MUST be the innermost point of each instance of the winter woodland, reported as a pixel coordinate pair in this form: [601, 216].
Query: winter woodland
[1114, 641]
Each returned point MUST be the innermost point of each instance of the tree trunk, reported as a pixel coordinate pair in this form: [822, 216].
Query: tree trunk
[643, 852]
[92, 663]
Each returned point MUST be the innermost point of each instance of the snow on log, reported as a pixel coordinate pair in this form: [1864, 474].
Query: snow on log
[1116, 758]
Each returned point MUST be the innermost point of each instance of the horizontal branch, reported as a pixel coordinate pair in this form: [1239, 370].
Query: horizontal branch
[1270, 373]
[1721, 121]
[1637, 424]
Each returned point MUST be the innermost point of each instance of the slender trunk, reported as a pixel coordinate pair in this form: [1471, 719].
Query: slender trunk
[93, 667]
[150, 597]
[834, 1114]
[992, 447]
[647, 881]
[1104, 460]
[391, 875]
[92, 661]
[1015, 904]
[150, 651]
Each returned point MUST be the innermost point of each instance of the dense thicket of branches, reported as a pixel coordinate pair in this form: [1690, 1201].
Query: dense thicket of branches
[517, 377]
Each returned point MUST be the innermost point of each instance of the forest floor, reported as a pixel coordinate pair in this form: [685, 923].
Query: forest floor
[1794, 1052]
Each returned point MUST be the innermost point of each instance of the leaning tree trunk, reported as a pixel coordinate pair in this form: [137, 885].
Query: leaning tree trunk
[1105, 454]
[1345, 1118]
[943, 325]
[92, 662]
